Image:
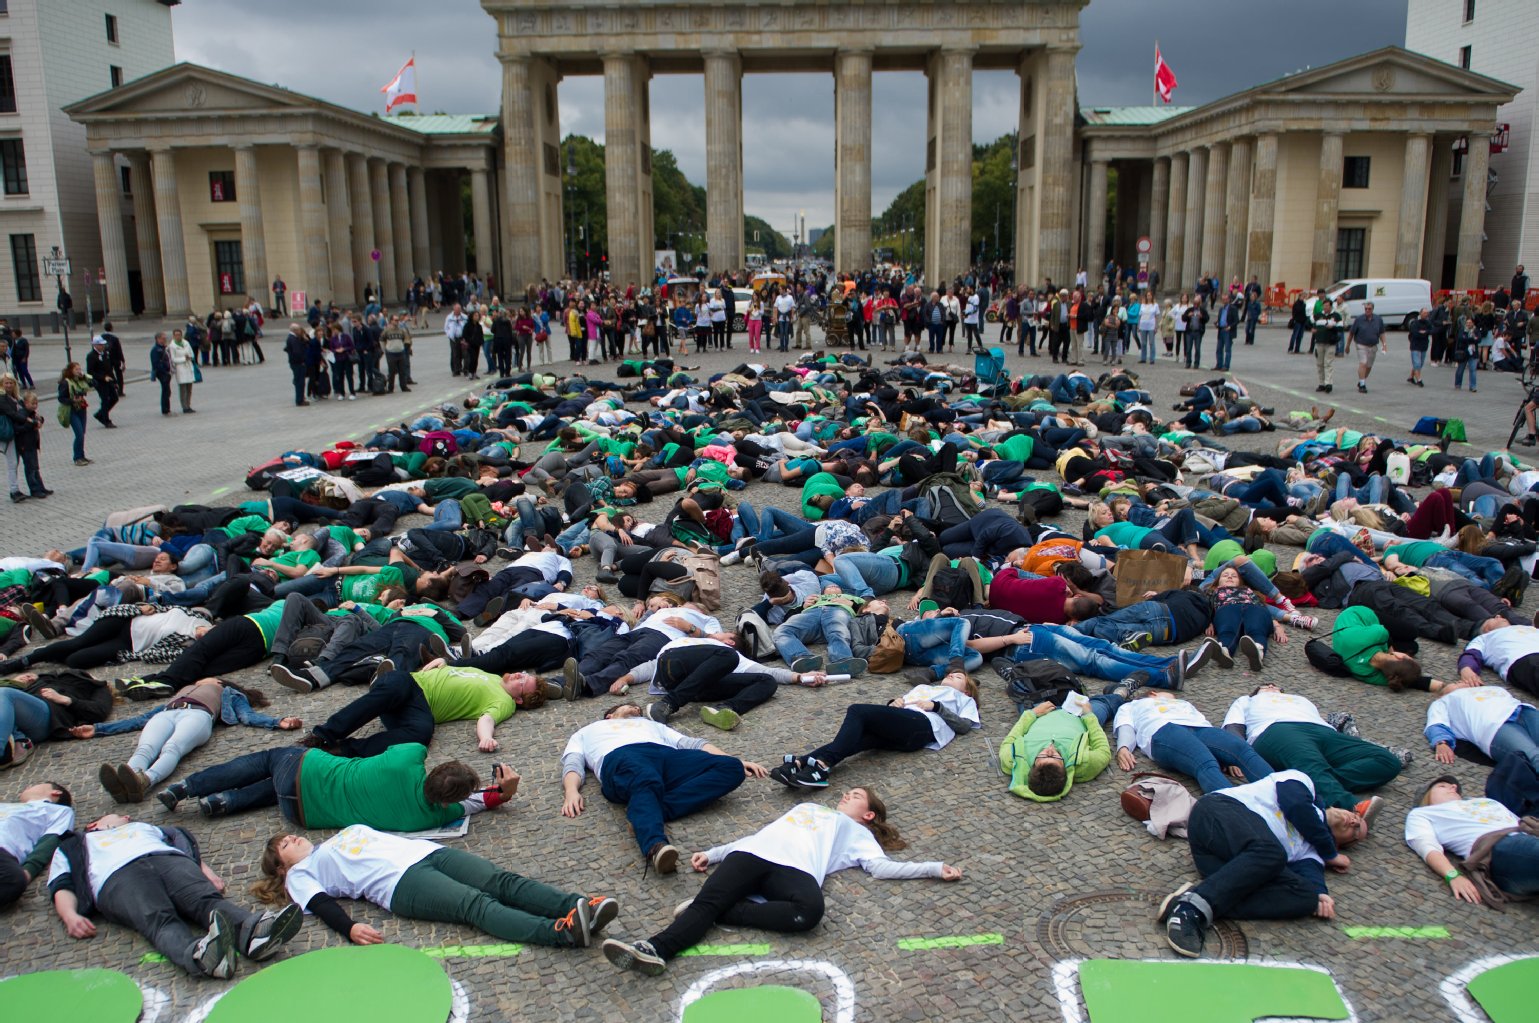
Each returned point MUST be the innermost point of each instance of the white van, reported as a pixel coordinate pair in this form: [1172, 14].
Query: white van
[1395, 299]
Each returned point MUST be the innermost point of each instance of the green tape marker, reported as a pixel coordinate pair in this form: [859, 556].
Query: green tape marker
[221, 490]
[728, 950]
[152, 957]
[950, 941]
[473, 951]
[1397, 932]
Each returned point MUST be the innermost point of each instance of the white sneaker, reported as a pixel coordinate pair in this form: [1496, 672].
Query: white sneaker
[352, 397]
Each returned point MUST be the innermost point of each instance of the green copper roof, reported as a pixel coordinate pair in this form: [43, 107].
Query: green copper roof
[1128, 117]
[446, 124]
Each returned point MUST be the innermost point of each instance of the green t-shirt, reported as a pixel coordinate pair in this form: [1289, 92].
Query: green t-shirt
[454, 487]
[374, 611]
[428, 622]
[1417, 552]
[267, 621]
[365, 588]
[345, 536]
[297, 559]
[1017, 448]
[465, 694]
[246, 524]
[1124, 534]
[819, 483]
[384, 791]
[15, 577]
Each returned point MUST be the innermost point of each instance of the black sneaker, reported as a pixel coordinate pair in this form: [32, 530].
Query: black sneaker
[1345, 723]
[171, 795]
[291, 679]
[1174, 679]
[634, 955]
[1131, 684]
[785, 772]
[39, 621]
[1184, 930]
[660, 711]
[1169, 902]
[572, 683]
[1133, 644]
[812, 775]
[215, 951]
[271, 930]
[602, 911]
[1249, 649]
[1208, 650]
[212, 806]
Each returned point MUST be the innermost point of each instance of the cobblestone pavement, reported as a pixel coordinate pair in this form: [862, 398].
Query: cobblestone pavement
[1068, 880]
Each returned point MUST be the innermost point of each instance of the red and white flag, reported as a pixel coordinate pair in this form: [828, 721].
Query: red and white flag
[403, 87]
[1164, 78]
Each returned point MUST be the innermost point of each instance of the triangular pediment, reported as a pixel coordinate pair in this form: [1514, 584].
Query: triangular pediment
[188, 89]
[1389, 72]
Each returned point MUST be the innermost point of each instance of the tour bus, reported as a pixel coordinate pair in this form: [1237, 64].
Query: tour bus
[1396, 299]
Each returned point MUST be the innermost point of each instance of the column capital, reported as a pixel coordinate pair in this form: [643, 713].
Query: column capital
[958, 50]
[855, 51]
[307, 145]
[719, 54]
[242, 145]
[608, 55]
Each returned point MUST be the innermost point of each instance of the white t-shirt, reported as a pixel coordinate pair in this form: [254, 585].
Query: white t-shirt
[356, 863]
[549, 565]
[819, 841]
[1138, 720]
[1501, 648]
[718, 310]
[959, 703]
[594, 742]
[147, 630]
[1455, 826]
[1260, 798]
[1474, 714]
[109, 851]
[1523, 482]
[23, 825]
[1267, 708]
[785, 304]
[699, 619]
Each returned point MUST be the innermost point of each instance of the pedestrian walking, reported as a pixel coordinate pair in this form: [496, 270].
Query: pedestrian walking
[1323, 343]
[1367, 332]
[98, 367]
[74, 385]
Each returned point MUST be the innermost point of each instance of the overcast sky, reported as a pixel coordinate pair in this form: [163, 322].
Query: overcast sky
[788, 138]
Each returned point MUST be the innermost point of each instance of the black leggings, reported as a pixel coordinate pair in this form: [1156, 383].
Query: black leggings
[233, 644]
[99, 644]
[869, 726]
[641, 570]
[706, 674]
[528, 651]
[794, 902]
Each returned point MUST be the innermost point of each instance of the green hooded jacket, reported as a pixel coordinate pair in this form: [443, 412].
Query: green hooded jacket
[1080, 741]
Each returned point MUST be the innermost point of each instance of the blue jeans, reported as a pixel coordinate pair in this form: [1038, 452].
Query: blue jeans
[1515, 864]
[775, 522]
[656, 784]
[1418, 359]
[1518, 737]
[447, 516]
[77, 423]
[126, 554]
[828, 623]
[198, 564]
[1327, 544]
[23, 716]
[867, 575]
[1202, 753]
[1471, 471]
[1123, 624]
[1371, 492]
[192, 596]
[1088, 655]
[1224, 349]
[933, 642]
[309, 585]
[1193, 355]
[266, 778]
[1478, 569]
[1468, 364]
[1233, 620]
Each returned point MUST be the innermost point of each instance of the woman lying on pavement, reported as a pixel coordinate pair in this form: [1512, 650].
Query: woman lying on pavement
[423, 880]
[783, 865]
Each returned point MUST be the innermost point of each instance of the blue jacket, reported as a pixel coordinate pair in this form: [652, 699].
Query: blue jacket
[234, 709]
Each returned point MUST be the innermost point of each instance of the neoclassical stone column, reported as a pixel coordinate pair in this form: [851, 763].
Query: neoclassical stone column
[1322, 262]
[724, 159]
[173, 251]
[531, 161]
[630, 226]
[948, 248]
[852, 159]
[421, 264]
[1437, 212]
[1095, 227]
[451, 218]
[362, 203]
[1472, 213]
[109, 216]
[312, 225]
[1413, 205]
[1263, 208]
[400, 220]
[1213, 210]
[1196, 181]
[1175, 224]
[390, 289]
[1055, 170]
[253, 238]
[1159, 215]
[1236, 205]
[146, 234]
[481, 219]
[339, 217]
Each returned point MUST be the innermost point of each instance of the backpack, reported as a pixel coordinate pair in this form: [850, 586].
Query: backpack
[438, 443]
[7, 429]
[757, 638]
[1028, 683]
[260, 477]
[946, 506]
[703, 583]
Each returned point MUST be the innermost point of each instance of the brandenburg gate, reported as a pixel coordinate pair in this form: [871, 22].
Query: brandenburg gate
[541, 41]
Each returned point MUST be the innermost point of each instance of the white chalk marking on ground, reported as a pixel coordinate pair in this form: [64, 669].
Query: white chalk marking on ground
[844, 988]
[155, 1002]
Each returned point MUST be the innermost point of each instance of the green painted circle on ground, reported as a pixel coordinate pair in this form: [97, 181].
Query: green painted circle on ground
[101, 996]
[367, 982]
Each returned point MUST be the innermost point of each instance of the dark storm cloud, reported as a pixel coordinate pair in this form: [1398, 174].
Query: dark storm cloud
[1215, 46]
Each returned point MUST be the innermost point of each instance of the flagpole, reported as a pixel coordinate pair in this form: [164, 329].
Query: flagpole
[1154, 85]
[416, 104]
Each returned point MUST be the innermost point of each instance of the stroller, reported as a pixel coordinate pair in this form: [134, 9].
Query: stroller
[989, 368]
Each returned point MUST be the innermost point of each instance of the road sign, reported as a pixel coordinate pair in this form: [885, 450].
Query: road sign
[55, 266]
[1144, 245]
